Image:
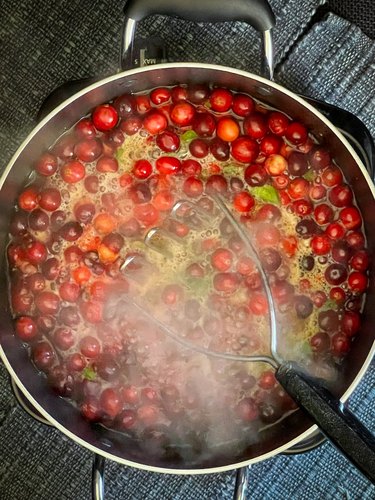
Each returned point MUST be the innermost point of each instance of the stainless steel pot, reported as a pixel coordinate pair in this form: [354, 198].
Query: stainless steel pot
[65, 417]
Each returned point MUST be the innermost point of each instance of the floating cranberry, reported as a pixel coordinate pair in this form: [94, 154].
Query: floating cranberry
[216, 184]
[47, 302]
[198, 93]
[36, 282]
[296, 133]
[332, 176]
[219, 149]
[191, 167]
[226, 282]
[88, 149]
[182, 114]
[168, 165]
[204, 124]
[275, 164]
[146, 213]
[90, 409]
[38, 220]
[26, 328]
[278, 123]
[192, 187]
[270, 259]
[168, 141]
[308, 263]
[307, 228]
[297, 164]
[69, 316]
[69, 291]
[105, 117]
[179, 93]
[242, 105]
[320, 244]
[351, 323]
[131, 125]
[350, 217]
[222, 259]
[84, 212]
[323, 214]
[341, 252]
[360, 261]
[245, 149]
[155, 122]
[268, 212]
[92, 184]
[340, 344]
[303, 306]
[107, 367]
[198, 148]
[51, 268]
[337, 294]
[71, 231]
[247, 410]
[85, 129]
[255, 125]
[72, 172]
[172, 294]
[220, 100]
[64, 338]
[317, 192]
[228, 129]
[90, 346]
[195, 271]
[270, 145]
[298, 188]
[319, 158]
[256, 175]
[302, 207]
[355, 240]
[336, 274]
[76, 362]
[125, 105]
[335, 231]
[329, 320]
[107, 164]
[341, 195]
[140, 193]
[46, 164]
[320, 342]
[243, 201]
[64, 148]
[28, 199]
[36, 253]
[43, 355]
[357, 282]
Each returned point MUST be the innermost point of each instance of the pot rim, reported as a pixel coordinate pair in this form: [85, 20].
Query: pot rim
[266, 82]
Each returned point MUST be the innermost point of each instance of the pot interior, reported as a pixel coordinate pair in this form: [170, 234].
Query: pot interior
[120, 447]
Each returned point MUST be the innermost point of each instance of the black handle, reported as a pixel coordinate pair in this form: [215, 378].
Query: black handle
[257, 13]
[338, 423]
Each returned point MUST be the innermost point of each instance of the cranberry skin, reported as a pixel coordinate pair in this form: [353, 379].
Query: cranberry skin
[256, 175]
[357, 282]
[43, 355]
[105, 117]
[341, 252]
[268, 213]
[198, 148]
[125, 105]
[182, 114]
[204, 124]
[320, 244]
[335, 231]
[216, 184]
[88, 149]
[332, 176]
[329, 321]
[198, 93]
[296, 133]
[242, 105]
[319, 158]
[255, 125]
[168, 165]
[71, 231]
[168, 141]
[107, 164]
[270, 145]
[47, 164]
[131, 125]
[355, 239]
[36, 282]
[85, 129]
[38, 220]
[245, 149]
[351, 323]
[297, 164]
[341, 195]
[155, 122]
[84, 212]
[76, 362]
[247, 410]
[340, 344]
[219, 149]
[64, 148]
[243, 202]
[320, 342]
[50, 199]
[303, 306]
[278, 123]
[191, 167]
[193, 187]
[179, 93]
[26, 328]
[63, 338]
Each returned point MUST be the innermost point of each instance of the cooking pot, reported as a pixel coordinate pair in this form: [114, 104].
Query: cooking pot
[62, 414]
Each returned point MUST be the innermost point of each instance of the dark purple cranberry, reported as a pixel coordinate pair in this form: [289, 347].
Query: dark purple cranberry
[303, 306]
[38, 220]
[46, 323]
[58, 219]
[236, 184]
[297, 164]
[307, 228]
[69, 316]
[198, 94]
[107, 367]
[219, 149]
[320, 342]
[256, 175]
[92, 261]
[19, 224]
[51, 268]
[341, 252]
[140, 193]
[114, 241]
[125, 105]
[84, 212]
[269, 412]
[71, 231]
[329, 320]
[308, 263]
[270, 259]
[319, 158]
[336, 274]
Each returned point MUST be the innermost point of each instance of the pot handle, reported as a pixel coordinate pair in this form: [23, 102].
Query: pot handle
[257, 13]
[97, 478]
[345, 431]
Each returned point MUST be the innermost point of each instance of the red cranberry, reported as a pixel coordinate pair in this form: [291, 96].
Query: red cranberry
[90, 346]
[107, 367]
[332, 176]
[247, 410]
[329, 320]
[357, 282]
[204, 124]
[127, 419]
[242, 105]
[255, 125]
[296, 133]
[341, 195]
[179, 93]
[278, 123]
[270, 145]
[320, 342]
[351, 323]
[105, 117]
[219, 149]
[50, 199]
[26, 328]
[360, 261]
[125, 105]
[71, 231]
[319, 158]
[76, 362]
[245, 149]
[91, 184]
[64, 338]
[323, 214]
[88, 150]
[216, 184]
[220, 100]
[192, 187]
[297, 164]
[350, 217]
[303, 306]
[168, 141]
[46, 164]
[107, 164]
[131, 125]
[85, 129]
[155, 122]
[355, 239]
[198, 148]
[335, 274]
[340, 344]
[43, 355]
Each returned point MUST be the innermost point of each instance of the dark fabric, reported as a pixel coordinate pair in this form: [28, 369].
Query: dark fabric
[359, 13]
[43, 44]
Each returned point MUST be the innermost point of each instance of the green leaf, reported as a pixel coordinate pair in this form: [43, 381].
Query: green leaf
[199, 286]
[233, 170]
[188, 136]
[330, 304]
[119, 153]
[309, 175]
[266, 193]
[89, 373]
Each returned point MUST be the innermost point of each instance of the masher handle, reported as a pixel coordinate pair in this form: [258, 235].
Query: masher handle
[345, 431]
